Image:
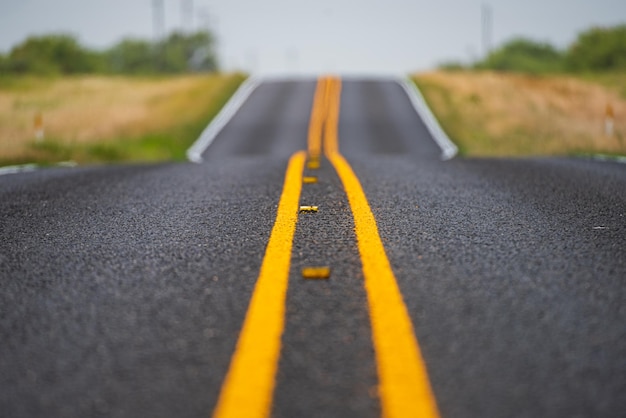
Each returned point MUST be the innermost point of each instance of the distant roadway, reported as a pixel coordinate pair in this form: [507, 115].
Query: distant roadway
[460, 288]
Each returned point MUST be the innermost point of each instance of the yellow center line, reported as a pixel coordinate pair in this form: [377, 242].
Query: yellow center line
[248, 388]
[249, 385]
[314, 142]
[332, 116]
[403, 380]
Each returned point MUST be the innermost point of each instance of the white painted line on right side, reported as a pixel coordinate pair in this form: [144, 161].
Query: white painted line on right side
[194, 153]
[611, 158]
[448, 148]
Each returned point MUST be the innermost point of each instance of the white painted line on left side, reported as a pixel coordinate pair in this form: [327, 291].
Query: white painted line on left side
[14, 169]
[194, 153]
[25, 168]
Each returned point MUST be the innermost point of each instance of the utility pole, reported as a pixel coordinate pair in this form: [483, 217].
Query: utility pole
[186, 12]
[487, 28]
[158, 19]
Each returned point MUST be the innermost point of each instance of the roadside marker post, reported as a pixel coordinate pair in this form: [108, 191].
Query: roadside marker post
[38, 125]
[608, 120]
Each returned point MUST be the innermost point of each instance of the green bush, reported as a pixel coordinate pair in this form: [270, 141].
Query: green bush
[598, 49]
[178, 53]
[595, 50]
[523, 55]
[59, 54]
[451, 66]
[132, 56]
[51, 55]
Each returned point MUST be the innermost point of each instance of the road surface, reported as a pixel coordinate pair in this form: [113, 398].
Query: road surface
[124, 289]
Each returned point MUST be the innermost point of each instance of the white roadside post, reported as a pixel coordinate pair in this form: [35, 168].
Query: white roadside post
[38, 125]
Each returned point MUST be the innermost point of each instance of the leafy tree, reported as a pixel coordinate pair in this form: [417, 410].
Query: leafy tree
[132, 56]
[524, 55]
[178, 53]
[4, 64]
[52, 54]
[183, 52]
[451, 66]
[62, 54]
[598, 49]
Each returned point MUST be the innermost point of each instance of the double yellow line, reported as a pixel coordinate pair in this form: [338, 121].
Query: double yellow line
[403, 381]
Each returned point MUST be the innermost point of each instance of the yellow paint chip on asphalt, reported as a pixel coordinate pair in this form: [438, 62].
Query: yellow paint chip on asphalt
[316, 272]
[308, 208]
[309, 180]
[313, 165]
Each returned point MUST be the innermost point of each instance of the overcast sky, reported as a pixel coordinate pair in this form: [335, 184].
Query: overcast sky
[314, 36]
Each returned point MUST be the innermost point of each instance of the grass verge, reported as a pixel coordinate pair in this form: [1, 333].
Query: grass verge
[500, 114]
[108, 119]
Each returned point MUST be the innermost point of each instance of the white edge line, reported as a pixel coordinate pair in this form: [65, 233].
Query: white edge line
[194, 153]
[448, 149]
[25, 168]
[610, 158]
[14, 169]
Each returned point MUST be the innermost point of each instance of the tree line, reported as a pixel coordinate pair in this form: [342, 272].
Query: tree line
[60, 54]
[595, 50]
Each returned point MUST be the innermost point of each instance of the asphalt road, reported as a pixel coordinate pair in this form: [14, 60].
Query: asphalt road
[123, 288]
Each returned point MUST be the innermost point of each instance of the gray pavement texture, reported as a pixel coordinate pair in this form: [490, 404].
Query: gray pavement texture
[123, 288]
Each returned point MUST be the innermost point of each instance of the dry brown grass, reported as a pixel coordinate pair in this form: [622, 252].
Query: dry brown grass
[92, 109]
[495, 114]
